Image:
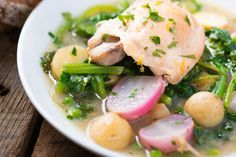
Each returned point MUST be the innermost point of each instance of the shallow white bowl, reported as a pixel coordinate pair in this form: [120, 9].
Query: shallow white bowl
[33, 42]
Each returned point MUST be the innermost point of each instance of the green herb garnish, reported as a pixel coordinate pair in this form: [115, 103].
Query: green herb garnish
[114, 94]
[172, 44]
[187, 20]
[189, 56]
[133, 93]
[74, 51]
[155, 16]
[125, 18]
[156, 39]
[68, 101]
[158, 53]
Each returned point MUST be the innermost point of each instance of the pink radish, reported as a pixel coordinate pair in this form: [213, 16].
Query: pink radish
[165, 133]
[133, 97]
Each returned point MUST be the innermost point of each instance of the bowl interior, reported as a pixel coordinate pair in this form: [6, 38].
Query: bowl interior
[34, 41]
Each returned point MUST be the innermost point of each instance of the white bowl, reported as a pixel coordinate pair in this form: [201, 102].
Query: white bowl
[33, 42]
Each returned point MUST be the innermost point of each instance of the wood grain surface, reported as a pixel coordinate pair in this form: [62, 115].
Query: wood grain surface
[51, 143]
[18, 118]
[21, 130]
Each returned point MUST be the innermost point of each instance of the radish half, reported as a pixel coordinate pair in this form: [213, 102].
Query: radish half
[165, 133]
[133, 97]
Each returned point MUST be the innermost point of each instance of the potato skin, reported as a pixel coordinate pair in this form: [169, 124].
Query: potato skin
[64, 55]
[111, 131]
[205, 108]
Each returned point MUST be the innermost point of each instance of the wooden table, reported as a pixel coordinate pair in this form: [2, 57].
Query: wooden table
[23, 132]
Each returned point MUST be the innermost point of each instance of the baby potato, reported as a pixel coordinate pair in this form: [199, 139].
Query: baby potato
[205, 108]
[210, 19]
[68, 54]
[159, 111]
[111, 131]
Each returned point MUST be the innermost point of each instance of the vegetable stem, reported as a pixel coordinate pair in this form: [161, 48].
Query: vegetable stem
[209, 66]
[98, 86]
[221, 85]
[83, 68]
[230, 90]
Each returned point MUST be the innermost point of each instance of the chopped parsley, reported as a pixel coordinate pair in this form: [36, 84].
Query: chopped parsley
[125, 18]
[74, 51]
[158, 53]
[172, 44]
[171, 20]
[133, 93]
[189, 56]
[105, 37]
[155, 16]
[156, 39]
[171, 25]
[55, 38]
[147, 6]
[114, 94]
[187, 20]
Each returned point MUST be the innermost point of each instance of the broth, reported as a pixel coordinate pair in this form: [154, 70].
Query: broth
[225, 147]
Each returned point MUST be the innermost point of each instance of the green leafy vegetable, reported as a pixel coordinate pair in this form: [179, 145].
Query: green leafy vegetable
[46, 60]
[229, 91]
[182, 89]
[74, 51]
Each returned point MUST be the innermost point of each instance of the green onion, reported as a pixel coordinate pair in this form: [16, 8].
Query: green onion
[166, 99]
[68, 101]
[83, 68]
[230, 91]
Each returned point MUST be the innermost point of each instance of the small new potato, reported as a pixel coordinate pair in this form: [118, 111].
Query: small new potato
[111, 131]
[205, 108]
[159, 111]
[66, 55]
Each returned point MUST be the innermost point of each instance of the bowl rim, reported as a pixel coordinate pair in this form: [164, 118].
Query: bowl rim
[36, 104]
